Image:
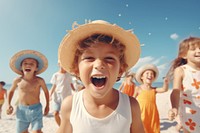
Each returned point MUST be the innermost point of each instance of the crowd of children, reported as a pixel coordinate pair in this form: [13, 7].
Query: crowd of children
[96, 106]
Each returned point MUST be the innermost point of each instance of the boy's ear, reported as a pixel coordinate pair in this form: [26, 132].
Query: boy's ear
[36, 69]
[121, 71]
[184, 57]
[76, 72]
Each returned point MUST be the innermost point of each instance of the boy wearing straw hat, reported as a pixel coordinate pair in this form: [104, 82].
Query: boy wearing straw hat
[28, 64]
[98, 53]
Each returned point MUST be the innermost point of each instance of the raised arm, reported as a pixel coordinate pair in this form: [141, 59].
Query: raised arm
[165, 86]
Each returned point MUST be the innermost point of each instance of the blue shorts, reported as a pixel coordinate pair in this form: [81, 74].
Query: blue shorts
[26, 115]
[56, 105]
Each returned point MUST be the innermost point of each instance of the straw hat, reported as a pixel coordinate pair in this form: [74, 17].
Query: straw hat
[68, 45]
[142, 69]
[15, 61]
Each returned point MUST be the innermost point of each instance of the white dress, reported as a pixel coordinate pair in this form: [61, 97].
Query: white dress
[119, 121]
[190, 100]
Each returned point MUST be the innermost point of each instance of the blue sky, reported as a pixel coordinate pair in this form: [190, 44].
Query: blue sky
[41, 24]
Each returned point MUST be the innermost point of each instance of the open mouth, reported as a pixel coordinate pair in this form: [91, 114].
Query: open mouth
[98, 81]
[27, 70]
[149, 78]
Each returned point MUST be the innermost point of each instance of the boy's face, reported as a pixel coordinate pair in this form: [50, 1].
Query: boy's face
[98, 68]
[29, 65]
[148, 76]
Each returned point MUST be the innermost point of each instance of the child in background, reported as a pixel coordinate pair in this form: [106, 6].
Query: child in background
[127, 86]
[185, 97]
[28, 64]
[99, 53]
[76, 85]
[3, 95]
[146, 96]
[61, 88]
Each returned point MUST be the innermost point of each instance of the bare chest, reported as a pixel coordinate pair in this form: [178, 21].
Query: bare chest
[26, 86]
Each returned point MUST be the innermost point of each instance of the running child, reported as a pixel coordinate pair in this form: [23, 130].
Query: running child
[146, 96]
[28, 64]
[185, 97]
[98, 53]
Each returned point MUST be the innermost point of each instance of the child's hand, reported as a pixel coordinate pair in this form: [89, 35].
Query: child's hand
[172, 114]
[9, 111]
[46, 111]
[166, 80]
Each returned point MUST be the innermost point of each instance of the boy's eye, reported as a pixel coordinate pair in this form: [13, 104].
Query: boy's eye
[109, 59]
[88, 58]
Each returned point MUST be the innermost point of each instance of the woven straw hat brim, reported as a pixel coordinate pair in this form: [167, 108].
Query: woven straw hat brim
[142, 69]
[67, 48]
[16, 60]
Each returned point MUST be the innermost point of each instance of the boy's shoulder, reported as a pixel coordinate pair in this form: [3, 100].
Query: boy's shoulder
[18, 79]
[40, 79]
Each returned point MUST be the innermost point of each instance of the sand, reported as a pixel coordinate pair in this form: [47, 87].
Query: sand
[8, 123]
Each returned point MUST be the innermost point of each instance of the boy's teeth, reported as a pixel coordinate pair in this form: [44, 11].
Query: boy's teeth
[99, 77]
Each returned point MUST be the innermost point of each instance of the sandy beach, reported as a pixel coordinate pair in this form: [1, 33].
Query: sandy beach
[8, 124]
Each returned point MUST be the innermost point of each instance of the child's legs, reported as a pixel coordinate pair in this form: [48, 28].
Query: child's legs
[57, 117]
[38, 131]
[22, 127]
[27, 115]
[185, 130]
[57, 106]
[1, 104]
[21, 121]
[25, 131]
[0, 109]
[35, 117]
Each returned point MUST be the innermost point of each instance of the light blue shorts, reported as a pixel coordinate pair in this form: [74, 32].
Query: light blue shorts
[56, 105]
[26, 115]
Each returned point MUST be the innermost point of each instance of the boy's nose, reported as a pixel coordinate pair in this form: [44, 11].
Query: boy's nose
[99, 65]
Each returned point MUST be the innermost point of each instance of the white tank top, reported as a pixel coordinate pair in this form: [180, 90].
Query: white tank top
[119, 121]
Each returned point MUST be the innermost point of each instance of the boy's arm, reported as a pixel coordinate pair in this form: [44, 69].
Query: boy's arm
[46, 93]
[136, 125]
[10, 95]
[165, 86]
[65, 126]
